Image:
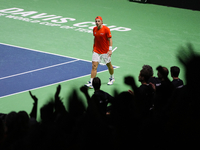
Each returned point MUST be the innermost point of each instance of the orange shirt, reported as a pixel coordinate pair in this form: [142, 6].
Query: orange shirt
[101, 45]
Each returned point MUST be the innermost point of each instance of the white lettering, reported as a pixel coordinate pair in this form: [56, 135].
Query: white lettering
[26, 19]
[19, 18]
[42, 15]
[2, 14]
[82, 24]
[84, 30]
[10, 16]
[18, 13]
[43, 22]
[104, 24]
[49, 24]
[63, 20]
[67, 27]
[35, 21]
[11, 10]
[52, 18]
[111, 27]
[26, 13]
[91, 27]
[120, 29]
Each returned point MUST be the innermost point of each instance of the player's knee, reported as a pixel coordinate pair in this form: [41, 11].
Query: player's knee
[94, 66]
[109, 65]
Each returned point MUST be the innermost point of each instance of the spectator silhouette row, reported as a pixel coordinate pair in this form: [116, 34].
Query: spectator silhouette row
[159, 114]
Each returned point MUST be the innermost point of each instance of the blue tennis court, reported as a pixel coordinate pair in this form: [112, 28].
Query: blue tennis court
[24, 69]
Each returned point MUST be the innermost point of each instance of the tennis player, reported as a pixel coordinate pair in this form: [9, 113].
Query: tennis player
[102, 50]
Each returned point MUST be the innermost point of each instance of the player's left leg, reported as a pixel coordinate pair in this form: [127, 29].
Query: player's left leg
[111, 71]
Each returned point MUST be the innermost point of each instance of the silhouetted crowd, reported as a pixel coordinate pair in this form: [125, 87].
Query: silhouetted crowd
[159, 114]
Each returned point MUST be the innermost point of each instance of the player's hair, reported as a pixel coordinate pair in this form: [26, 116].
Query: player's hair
[96, 83]
[175, 71]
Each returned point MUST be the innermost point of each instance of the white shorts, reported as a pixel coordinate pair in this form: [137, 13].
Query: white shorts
[101, 57]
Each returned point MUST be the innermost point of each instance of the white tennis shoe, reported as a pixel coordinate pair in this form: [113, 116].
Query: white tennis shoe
[89, 85]
[111, 80]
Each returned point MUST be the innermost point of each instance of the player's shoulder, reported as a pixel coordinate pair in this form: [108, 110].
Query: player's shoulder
[95, 28]
[105, 27]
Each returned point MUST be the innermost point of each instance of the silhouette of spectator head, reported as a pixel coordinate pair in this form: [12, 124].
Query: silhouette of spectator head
[23, 120]
[174, 70]
[12, 122]
[149, 69]
[123, 107]
[162, 72]
[46, 112]
[96, 83]
[144, 75]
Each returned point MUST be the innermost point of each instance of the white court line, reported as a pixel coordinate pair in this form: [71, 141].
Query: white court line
[48, 85]
[38, 69]
[49, 53]
[45, 67]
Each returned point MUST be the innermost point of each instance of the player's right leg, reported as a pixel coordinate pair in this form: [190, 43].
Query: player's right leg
[93, 74]
[94, 69]
[95, 63]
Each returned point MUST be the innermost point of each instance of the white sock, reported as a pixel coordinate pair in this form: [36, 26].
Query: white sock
[112, 76]
[91, 80]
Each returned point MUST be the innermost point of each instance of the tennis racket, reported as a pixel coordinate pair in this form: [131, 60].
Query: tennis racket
[103, 64]
[114, 49]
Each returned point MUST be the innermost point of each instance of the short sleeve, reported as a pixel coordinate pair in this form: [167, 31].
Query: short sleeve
[108, 33]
